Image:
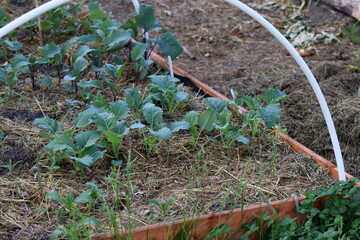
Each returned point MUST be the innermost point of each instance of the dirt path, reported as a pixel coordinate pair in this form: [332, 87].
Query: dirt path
[234, 52]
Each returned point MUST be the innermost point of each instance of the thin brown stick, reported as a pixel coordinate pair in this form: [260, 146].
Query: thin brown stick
[41, 43]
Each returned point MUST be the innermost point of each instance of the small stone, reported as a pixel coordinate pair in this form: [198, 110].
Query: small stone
[207, 54]
[168, 13]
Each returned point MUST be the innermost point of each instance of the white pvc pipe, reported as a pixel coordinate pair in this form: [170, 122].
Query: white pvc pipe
[300, 61]
[30, 15]
[136, 5]
[170, 66]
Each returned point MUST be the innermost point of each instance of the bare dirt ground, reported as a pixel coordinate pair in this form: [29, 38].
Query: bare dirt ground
[234, 52]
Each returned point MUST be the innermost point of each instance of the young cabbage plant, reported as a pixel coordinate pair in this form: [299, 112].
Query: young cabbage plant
[110, 122]
[31, 65]
[75, 217]
[10, 79]
[83, 147]
[228, 133]
[166, 92]
[262, 108]
[58, 17]
[136, 102]
[8, 46]
[84, 150]
[55, 56]
[113, 126]
[74, 77]
[140, 63]
[158, 130]
[146, 20]
[115, 72]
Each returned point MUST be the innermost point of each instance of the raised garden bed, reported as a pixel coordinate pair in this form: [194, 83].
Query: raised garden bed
[159, 157]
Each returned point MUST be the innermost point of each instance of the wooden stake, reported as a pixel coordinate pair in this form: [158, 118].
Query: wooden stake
[41, 43]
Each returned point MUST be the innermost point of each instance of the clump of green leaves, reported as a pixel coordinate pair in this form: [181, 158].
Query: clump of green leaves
[76, 223]
[164, 207]
[261, 108]
[146, 20]
[338, 218]
[166, 92]
[351, 31]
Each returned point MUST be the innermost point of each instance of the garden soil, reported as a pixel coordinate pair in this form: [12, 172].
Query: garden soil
[233, 51]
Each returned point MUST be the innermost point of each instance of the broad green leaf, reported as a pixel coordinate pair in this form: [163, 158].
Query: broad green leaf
[224, 117]
[121, 128]
[86, 93]
[192, 118]
[176, 126]
[87, 138]
[138, 51]
[152, 114]
[114, 71]
[54, 196]
[117, 59]
[271, 114]
[90, 83]
[48, 123]
[222, 127]
[146, 19]
[162, 83]
[49, 51]
[133, 98]
[83, 50]
[99, 101]
[86, 39]
[112, 138]
[252, 103]
[105, 121]
[79, 65]
[46, 81]
[274, 95]
[97, 14]
[84, 197]
[163, 133]
[207, 120]
[86, 160]
[94, 152]
[56, 233]
[69, 77]
[3, 75]
[18, 62]
[120, 109]
[13, 45]
[216, 104]
[118, 70]
[93, 6]
[66, 45]
[90, 221]
[241, 139]
[82, 119]
[137, 125]
[130, 24]
[169, 45]
[181, 96]
[62, 142]
[76, 9]
[117, 39]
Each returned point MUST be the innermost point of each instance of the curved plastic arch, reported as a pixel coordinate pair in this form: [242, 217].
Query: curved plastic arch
[314, 84]
[30, 15]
